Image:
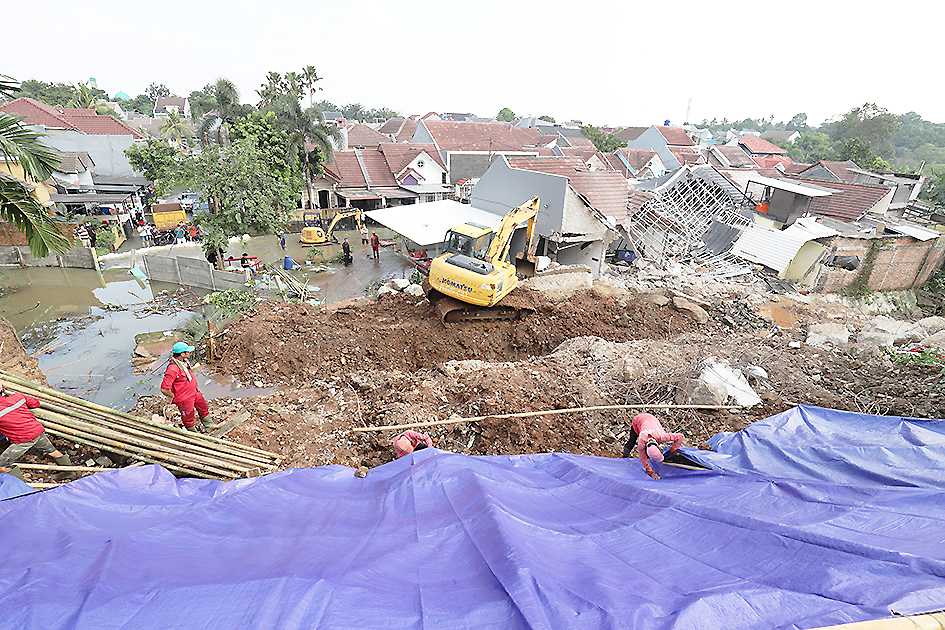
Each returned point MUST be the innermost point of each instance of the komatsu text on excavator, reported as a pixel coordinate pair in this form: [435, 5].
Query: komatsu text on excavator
[314, 235]
[472, 277]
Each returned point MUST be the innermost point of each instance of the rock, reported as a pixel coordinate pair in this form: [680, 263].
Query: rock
[631, 369]
[104, 462]
[935, 341]
[886, 331]
[698, 392]
[691, 309]
[361, 472]
[657, 298]
[931, 325]
[385, 290]
[756, 373]
[795, 345]
[400, 283]
[90, 462]
[415, 290]
[717, 374]
[143, 353]
[560, 286]
[828, 334]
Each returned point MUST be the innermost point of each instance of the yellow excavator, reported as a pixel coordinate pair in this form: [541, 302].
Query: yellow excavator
[472, 278]
[314, 235]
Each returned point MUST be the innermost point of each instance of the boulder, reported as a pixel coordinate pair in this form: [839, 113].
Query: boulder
[935, 341]
[691, 309]
[631, 369]
[930, 325]
[657, 298]
[886, 331]
[699, 392]
[828, 334]
[385, 290]
[415, 290]
[397, 284]
[560, 286]
[717, 374]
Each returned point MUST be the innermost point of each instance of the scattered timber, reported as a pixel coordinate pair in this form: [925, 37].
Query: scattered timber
[531, 414]
[292, 285]
[144, 440]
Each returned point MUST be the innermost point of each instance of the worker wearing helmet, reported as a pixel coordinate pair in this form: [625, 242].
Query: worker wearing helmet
[646, 435]
[180, 387]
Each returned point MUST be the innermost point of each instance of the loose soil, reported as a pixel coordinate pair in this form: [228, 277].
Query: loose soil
[13, 356]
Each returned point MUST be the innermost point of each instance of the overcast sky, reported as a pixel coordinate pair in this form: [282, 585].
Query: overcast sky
[618, 63]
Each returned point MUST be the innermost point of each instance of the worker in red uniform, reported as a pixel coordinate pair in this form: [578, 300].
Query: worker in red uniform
[646, 435]
[180, 387]
[23, 430]
[410, 441]
[376, 245]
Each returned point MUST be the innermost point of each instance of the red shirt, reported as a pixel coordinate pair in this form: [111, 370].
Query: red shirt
[175, 379]
[19, 425]
[375, 241]
[648, 427]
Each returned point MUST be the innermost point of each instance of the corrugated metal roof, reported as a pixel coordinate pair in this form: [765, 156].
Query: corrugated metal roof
[772, 248]
[808, 190]
[427, 223]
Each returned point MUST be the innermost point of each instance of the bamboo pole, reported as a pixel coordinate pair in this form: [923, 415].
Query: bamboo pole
[40, 392]
[43, 486]
[157, 437]
[130, 440]
[530, 414]
[56, 468]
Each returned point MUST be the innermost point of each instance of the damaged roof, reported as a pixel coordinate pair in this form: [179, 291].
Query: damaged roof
[849, 202]
[733, 156]
[606, 191]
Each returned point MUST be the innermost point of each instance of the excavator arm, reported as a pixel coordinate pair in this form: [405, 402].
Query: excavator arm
[344, 215]
[502, 241]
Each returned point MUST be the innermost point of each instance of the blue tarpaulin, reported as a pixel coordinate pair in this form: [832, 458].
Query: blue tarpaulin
[440, 540]
[838, 446]
[10, 486]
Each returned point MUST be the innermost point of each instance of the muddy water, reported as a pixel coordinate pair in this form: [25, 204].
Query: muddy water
[340, 283]
[83, 348]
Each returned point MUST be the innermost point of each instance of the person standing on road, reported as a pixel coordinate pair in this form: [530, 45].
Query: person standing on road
[180, 387]
[376, 245]
[346, 252]
[179, 234]
[282, 241]
[364, 235]
[24, 432]
[145, 235]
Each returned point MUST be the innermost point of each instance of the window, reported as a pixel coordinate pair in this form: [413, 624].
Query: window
[444, 178]
[468, 246]
[419, 163]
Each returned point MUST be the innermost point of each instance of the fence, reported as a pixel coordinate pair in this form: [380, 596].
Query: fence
[192, 272]
[76, 258]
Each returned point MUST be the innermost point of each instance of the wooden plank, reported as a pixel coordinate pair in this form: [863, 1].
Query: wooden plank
[230, 424]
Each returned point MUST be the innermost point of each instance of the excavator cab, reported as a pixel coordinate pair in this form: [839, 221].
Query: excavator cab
[315, 235]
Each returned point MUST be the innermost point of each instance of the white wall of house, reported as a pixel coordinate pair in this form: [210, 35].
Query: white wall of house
[108, 152]
[429, 169]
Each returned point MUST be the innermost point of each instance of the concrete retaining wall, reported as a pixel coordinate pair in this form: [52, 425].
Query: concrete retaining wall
[191, 272]
[78, 257]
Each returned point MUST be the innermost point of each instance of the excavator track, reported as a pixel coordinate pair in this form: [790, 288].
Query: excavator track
[453, 311]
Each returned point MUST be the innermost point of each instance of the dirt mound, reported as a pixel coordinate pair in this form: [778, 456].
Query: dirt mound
[292, 343]
[14, 358]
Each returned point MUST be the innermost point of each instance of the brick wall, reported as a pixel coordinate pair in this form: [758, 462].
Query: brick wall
[9, 235]
[899, 263]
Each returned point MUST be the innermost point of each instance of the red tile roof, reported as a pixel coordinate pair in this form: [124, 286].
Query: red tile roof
[840, 169]
[617, 165]
[378, 170]
[735, 155]
[585, 153]
[676, 136]
[34, 112]
[630, 133]
[363, 136]
[579, 141]
[100, 125]
[687, 155]
[637, 158]
[344, 165]
[406, 132]
[796, 168]
[392, 126]
[399, 155]
[607, 191]
[481, 136]
[851, 201]
[770, 161]
[754, 144]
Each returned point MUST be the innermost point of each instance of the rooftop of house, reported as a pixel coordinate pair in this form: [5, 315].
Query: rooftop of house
[74, 162]
[360, 135]
[585, 153]
[481, 136]
[332, 114]
[734, 155]
[606, 191]
[382, 164]
[687, 155]
[778, 135]
[163, 102]
[849, 202]
[840, 169]
[399, 155]
[405, 134]
[392, 125]
[675, 136]
[637, 158]
[772, 161]
[35, 112]
[796, 168]
[758, 145]
[629, 133]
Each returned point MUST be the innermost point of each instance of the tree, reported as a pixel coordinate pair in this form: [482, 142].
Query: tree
[547, 118]
[226, 109]
[505, 115]
[311, 79]
[354, 111]
[21, 146]
[810, 147]
[155, 159]
[244, 192]
[83, 96]
[382, 113]
[175, 128]
[155, 90]
[934, 190]
[55, 94]
[798, 122]
[872, 126]
[605, 142]
[854, 149]
[201, 102]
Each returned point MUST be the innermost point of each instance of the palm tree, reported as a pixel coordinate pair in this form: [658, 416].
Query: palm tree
[226, 110]
[175, 128]
[310, 139]
[310, 78]
[83, 96]
[19, 145]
